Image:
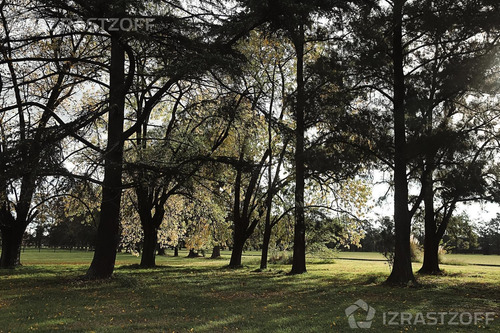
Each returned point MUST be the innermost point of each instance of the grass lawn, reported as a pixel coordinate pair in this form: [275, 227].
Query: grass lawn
[201, 295]
[453, 259]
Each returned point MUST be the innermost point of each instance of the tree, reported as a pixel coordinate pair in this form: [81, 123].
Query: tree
[447, 68]
[268, 89]
[41, 68]
[489, 236]
[293, 19]
[424, 73]
[167, 163]
[187, 43]
[402, 272]
[460, 236]
[122, 42]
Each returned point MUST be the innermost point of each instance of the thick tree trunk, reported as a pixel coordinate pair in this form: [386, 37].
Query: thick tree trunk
[431, 241]
[215, 252]
[11, 248]
[148, 258]
[402, 272]
[161, 251]
[431, 256]
[299, 240]
[107, 239]
[239, 240]
[192, 254]
[237, 252]
[176, 251]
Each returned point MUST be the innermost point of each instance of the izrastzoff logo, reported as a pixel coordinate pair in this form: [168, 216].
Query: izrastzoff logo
[393, 318]
[350, 312]
[115, 23]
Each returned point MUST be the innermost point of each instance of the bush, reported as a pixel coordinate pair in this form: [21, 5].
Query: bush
[280, 257]
[320, 250]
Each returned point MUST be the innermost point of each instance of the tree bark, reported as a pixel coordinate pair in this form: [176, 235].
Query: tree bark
[431, 241]
[431, 255]
[11, 247]
[215, 252]
[150, 225]
[176, 251]
[148, 258]
[237, 252]
[402, 272]
[265, 245]
[299, 241]
[107, 239]
[239, 239]
[239, 223]
[192, 254]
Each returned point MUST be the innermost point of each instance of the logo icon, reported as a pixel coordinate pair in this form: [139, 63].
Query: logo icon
[351, 310]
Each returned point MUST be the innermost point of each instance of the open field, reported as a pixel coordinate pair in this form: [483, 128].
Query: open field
[200, 295]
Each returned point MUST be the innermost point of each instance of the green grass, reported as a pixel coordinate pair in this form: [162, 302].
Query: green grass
[201, 295]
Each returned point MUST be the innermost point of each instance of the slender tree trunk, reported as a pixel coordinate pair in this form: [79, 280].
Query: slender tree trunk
[148, 258]
[268, 226]
[265, 246]
[161, 251]
[176, 251]
[107, 239]
[11, 247]
[239, 223]
[402, 272]
[299, 241]
[215, 252]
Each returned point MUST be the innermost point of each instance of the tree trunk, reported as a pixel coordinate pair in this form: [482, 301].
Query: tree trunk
[148, 258]
[107, 239]
[269, 203]
[265, 245]
[176, 251]
[161, 251]
[237, 252]
[11, 248]
[192, 254]
[239, 223]
[215, 252]
[431, 256]
[402, 272]
[299, 241]
[431, 241]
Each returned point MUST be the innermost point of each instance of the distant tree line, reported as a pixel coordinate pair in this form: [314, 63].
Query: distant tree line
[462, 236]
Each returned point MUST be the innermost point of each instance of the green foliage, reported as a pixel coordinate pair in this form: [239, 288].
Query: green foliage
[280, 257]
[489, 233]
[460, 235]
